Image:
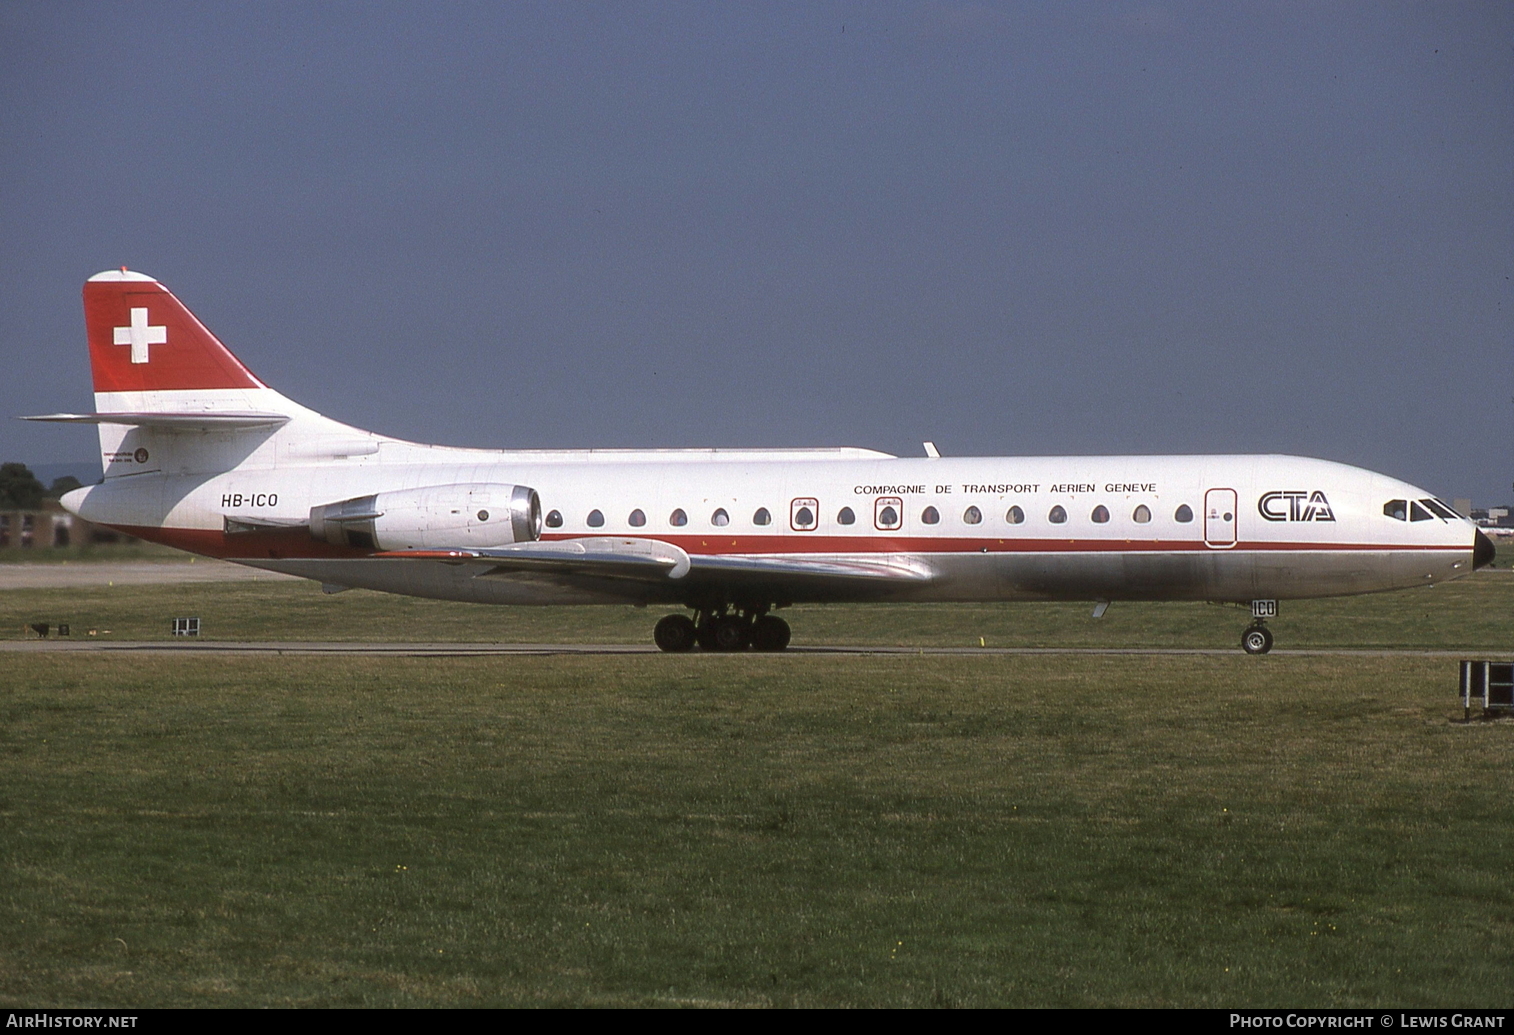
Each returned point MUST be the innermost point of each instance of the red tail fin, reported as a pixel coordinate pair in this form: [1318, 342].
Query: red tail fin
[142, 339]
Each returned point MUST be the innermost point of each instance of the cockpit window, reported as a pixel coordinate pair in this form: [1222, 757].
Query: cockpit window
[1418, 513]
[1398, 510]
[1441, 510]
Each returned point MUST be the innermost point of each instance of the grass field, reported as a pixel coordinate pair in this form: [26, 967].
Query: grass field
[1474, 613]
[968, 830]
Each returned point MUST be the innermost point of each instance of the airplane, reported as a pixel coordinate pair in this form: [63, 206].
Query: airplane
[199, 454]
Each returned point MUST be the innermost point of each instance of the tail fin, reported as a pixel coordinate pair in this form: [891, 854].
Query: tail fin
[143, 339]
[169, 397]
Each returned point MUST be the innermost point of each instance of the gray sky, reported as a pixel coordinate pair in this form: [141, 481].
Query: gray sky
[1010, 228]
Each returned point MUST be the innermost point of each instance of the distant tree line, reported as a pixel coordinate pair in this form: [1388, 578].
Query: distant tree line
[20, 489]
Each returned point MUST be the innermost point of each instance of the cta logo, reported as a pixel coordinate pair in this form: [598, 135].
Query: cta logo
[1295, 505]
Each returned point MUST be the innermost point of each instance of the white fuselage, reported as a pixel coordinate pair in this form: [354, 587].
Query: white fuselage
[974, 528]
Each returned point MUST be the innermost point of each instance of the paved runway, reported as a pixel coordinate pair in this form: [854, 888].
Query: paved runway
[187, 647]
[67, 575]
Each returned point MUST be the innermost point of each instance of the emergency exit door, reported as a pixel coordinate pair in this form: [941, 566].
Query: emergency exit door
[1219, 518]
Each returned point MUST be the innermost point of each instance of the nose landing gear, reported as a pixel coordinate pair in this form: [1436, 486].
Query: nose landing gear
[1257, 639]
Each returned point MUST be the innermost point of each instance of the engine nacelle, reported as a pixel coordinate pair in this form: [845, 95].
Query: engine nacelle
[439, 517]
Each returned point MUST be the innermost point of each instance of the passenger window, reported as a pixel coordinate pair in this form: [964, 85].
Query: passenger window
[678, 518]
[888, 513]
[1183, 515]
[931, 516]
[804, 514]
[846, 517]
[1101, 515]
[1057, 516]
[554, 519]
[972, 516]
[638, 518]
[596, 519]
[1142, 515]
[1398, 510]
[1418, 513]
[762, 517]
[720, 518]
[1015, 516]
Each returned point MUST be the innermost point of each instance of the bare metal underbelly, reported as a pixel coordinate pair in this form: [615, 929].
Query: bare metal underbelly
[1239, 575]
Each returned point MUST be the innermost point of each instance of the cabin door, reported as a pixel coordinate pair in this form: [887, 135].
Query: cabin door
[1219, 518]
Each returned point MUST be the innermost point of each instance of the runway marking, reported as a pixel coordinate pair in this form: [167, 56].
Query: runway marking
[463, 650]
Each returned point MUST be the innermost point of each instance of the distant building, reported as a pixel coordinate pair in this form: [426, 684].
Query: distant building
[1498, 519]
[51, 526]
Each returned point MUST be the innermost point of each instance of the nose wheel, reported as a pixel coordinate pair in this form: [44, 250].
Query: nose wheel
[1256, 640]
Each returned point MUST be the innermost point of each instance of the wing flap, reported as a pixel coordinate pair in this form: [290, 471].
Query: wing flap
[647, 560]
[716, 565]
[655, 562]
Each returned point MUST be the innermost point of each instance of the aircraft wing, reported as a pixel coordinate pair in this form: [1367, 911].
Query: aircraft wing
[673, 569]
[638, 559]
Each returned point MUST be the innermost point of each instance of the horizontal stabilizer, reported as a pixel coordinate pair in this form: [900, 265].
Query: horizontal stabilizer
[173, 421]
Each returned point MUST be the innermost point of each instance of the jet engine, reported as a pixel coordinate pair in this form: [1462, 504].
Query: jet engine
[439, 517]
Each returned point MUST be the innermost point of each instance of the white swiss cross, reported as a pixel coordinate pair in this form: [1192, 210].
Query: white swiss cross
[139, 335]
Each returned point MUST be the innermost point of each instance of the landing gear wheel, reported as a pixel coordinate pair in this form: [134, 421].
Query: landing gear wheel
[730, 633]
[770, 633]
[1256, 640]
[674, 634]
[704, 634]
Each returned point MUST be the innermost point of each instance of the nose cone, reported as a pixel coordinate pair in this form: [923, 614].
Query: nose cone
[1482, 551]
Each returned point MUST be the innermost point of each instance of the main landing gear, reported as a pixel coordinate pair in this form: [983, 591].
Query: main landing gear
[721, 631]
